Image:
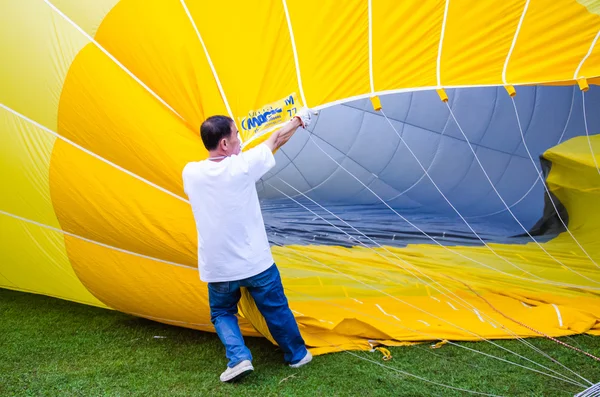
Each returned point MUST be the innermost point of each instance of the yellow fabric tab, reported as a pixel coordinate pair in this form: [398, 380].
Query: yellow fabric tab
[510, 90]
[442, 94]
[376, 102]
[583, 84]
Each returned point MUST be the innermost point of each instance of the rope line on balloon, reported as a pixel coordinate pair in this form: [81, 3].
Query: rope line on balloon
[489, 180]
[110, 247]
[547, 190]
[529, 327]
[514, 42]
[133, 253]
[586, 56]
[113, 58]
[535, 279]
[455, 297]
[183, 199]
[466, 304]
[195, 269]
[363, 357]
[186, 201]
[537, 179]
[294, 51]
[436, 338]
[89, 152]
[503, 201]
[587, 133]
[209, 59]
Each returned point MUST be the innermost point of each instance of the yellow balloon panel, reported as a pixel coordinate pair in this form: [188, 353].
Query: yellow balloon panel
[404, 53]
[156, 41]
[87, 14]
[123, 212]
[34, 259]
[248, 43]
[128, 126]
[147, 288]
[554, 38]
[25, 150]
[332, 40]
[37, 47]
[477, 40]
[575, 181]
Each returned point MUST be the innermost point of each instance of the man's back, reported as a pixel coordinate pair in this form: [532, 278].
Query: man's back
[232, 241]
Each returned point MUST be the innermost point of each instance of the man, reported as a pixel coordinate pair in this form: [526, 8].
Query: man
[233, 250]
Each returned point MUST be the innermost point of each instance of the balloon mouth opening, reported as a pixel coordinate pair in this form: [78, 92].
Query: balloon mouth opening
[319, 178]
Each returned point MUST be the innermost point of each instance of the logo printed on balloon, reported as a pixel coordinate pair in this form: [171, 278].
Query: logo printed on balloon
[268, 116]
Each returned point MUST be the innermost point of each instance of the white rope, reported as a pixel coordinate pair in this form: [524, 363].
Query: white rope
[458, 300]
[94, 241]
[587, 133]
[62, 138]
[116, 249]
[506, 205]
[576, 74]
[433, 337]
[514, 42]
[546, 187]
[537, 179]
[452, 206]
[210, 63]
[133, 253]
[115, 60]
[438, 70]
[295, 51]
[434, 316]
[420, 377]
[538, 280]
[371, 46]
[592, 391]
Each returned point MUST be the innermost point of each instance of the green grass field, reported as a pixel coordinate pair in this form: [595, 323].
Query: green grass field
[50, 347]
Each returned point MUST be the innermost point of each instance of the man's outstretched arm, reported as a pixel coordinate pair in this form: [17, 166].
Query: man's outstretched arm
[281, 136]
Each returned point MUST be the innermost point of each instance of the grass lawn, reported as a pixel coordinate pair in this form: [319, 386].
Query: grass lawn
[52, 347]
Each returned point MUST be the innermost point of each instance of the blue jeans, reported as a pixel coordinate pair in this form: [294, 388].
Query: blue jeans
[267, 291]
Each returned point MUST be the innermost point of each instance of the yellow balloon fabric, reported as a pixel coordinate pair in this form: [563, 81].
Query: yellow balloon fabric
[101, 112]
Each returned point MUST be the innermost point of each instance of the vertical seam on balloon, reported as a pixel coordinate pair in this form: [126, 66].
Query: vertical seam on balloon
[514, 42]
[112, 57]
[576, 74]
[93, 241]
[210, 63]
[441, 43]
[371, 81]
[89, 152]
[295, 52]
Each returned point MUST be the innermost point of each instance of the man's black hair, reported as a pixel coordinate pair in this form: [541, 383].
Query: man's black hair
[214, 129]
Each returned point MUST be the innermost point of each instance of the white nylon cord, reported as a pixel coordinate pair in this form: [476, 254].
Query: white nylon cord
[112, 58]
[454, 297]
[546, 187]
[537, 280]
[506, 205]
[436, 317]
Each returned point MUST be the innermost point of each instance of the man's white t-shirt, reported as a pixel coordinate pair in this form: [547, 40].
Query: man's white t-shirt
[232, 241]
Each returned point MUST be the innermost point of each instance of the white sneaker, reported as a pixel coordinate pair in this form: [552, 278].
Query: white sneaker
[238, 372]
[307, 358]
